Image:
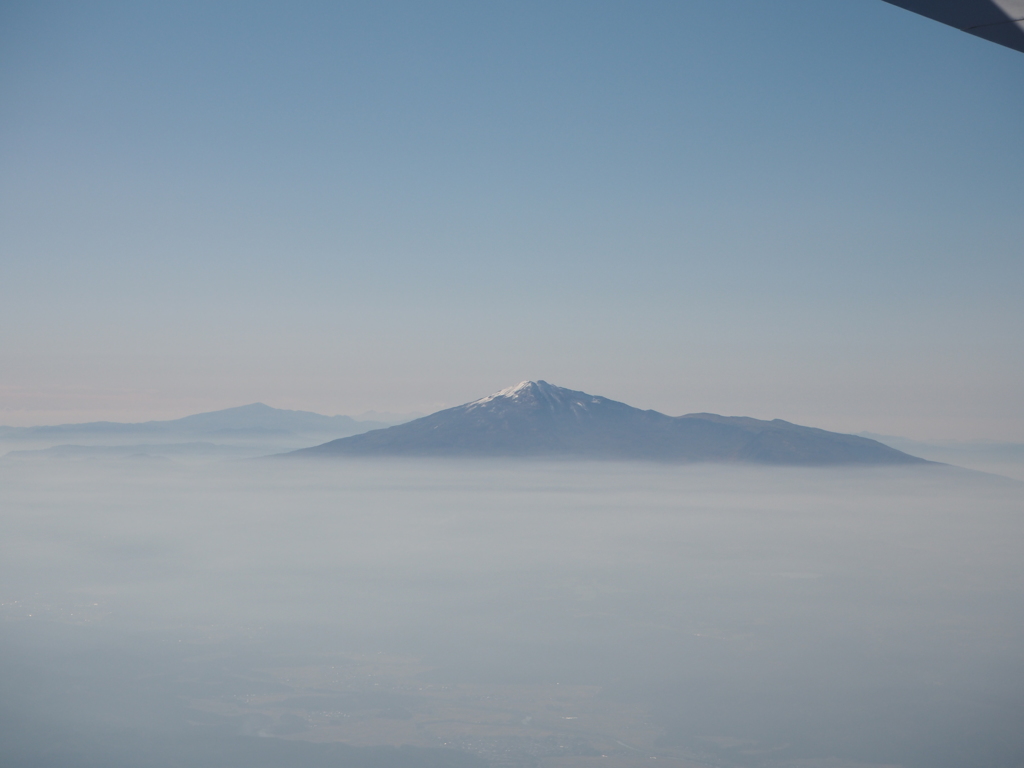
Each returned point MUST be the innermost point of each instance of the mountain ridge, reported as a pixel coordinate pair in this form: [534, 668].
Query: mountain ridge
[253, 418]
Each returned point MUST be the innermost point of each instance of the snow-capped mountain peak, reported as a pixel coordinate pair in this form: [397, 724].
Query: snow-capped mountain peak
[534, 418]
[535, 393]
[509, 392]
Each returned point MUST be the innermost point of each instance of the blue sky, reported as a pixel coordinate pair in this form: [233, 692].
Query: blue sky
[799, 210]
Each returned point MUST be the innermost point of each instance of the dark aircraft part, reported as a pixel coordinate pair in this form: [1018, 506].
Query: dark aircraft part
[1000, 21]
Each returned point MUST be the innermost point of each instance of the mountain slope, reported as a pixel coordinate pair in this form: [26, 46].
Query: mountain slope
[535, 418]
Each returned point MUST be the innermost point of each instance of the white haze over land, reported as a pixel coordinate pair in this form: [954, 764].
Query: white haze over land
[511, 613]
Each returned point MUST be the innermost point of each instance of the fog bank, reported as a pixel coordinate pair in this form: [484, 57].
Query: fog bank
[511, 613]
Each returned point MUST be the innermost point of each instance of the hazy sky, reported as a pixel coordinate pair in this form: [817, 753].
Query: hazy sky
[805, 210]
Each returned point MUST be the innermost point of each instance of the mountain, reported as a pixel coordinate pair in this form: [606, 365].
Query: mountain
[254, 420]
[535, 418]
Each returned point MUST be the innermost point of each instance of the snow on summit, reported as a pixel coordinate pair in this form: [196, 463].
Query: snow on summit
[512, 392]
[535, 393]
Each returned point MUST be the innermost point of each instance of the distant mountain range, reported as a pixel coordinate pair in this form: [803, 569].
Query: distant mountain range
[535, 418]
[247, 421]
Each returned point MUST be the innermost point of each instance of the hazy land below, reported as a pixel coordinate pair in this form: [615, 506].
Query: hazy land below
[518, 613]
